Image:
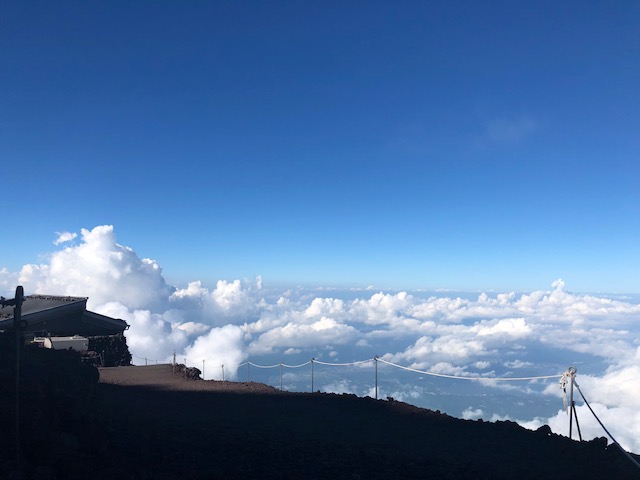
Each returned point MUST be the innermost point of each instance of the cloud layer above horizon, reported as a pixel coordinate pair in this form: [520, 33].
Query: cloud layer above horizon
[489, 335]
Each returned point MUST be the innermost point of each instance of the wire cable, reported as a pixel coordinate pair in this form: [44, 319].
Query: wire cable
[635, 462]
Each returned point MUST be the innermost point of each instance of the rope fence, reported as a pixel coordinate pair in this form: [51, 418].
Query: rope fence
[376, 359]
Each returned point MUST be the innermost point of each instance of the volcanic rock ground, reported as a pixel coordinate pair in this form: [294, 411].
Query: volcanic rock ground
[152, 423]
[170, 427]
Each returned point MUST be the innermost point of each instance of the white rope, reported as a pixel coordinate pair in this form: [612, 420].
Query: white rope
[343, 364]
[409, 369]
[456, 377]
[263, 366]
[296, 366]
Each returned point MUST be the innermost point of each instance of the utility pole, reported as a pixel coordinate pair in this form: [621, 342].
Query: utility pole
[18, 324]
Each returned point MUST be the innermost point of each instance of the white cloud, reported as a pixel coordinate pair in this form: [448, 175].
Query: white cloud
[517, 364]
[325, 331]
[472, 414]
[221, 346]
[101, 269]
[508, 327]
[381, 308]
[8, 282]
[340, 387]
[235, 318]
[482, 365]
[150, 336]
[64, 237]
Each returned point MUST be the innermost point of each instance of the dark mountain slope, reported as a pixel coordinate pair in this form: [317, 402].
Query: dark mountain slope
[149, 423]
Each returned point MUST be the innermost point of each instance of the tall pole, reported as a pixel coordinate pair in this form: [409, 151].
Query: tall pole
[572, 373]
[375, 359]
[17, 320]
[17, 325]
[223, 372]
[280, 376]
[203, 369]
[312, 374]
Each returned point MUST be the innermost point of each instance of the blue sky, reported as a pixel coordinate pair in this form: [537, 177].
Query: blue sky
[401, 144]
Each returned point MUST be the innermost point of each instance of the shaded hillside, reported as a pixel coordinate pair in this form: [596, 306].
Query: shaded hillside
[149, 423]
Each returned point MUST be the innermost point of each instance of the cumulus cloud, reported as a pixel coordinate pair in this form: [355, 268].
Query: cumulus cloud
[101, 269]
[472, 413]
[222, 346]
[508, 327]
[537, 333]
[340, 387]
[63, 237]
[325, 331]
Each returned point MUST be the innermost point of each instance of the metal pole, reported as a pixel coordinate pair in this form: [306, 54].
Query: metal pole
[572, 372]
[145, 361]
[280, 376]
[248, 370]
[312, 374]
[174, 361]
[375, 358]
[223, 372]
[203, 369]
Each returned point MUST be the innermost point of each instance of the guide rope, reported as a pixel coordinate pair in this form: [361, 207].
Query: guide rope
[360, 362]
[460, 377]
[635, 462]
[296, 366]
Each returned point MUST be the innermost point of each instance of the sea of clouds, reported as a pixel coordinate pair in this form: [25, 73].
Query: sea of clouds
[484, 335]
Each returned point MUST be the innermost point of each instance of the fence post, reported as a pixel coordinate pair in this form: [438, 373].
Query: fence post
[312, 374]
[375, 359]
